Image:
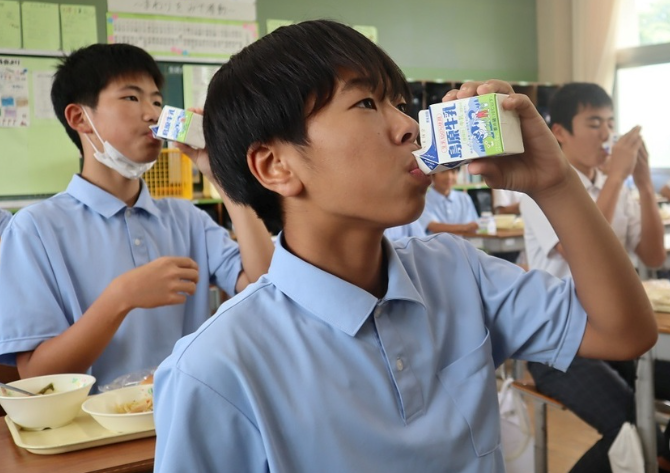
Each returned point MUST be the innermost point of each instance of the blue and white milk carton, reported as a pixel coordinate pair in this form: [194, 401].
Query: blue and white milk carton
[176, 124]
[454, 133]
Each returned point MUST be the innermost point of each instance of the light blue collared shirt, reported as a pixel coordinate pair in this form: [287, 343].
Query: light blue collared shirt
[5, 217]
[457, 207]
[303, 371]
[59, 255]
[402, 231]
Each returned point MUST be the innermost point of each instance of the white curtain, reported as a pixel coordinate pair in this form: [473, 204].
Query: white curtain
[594, 35]
[577, 41]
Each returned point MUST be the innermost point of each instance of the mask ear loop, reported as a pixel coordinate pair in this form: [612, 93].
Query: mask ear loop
[94, 130]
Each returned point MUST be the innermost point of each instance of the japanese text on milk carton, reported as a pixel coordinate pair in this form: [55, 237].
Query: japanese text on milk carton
[454, 133]
[176, 124]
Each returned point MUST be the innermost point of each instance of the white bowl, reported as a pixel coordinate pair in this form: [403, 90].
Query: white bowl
[105, 407]
[48, 410]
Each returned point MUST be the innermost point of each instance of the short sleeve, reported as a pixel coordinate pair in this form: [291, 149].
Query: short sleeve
[224, 439]
[32, 309]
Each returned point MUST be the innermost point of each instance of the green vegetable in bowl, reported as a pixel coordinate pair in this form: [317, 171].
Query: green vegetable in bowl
[48, 389]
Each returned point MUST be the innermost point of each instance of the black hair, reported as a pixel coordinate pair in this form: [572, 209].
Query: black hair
[81, 76]
[571, 98]
[269, 90]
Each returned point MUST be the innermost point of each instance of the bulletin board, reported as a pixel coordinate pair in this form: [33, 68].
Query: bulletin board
[37, 159]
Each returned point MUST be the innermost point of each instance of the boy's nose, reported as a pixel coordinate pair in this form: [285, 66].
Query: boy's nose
[151, 113]
[407, 129]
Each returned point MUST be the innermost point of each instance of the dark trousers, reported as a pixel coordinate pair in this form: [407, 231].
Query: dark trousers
[602, 394]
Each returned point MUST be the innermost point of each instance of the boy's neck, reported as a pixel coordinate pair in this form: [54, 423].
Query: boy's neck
[355, 256]
[126, 190]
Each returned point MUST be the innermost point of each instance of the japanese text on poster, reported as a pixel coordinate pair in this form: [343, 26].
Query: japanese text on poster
[14, 103]
[186, 37]
[244, 10]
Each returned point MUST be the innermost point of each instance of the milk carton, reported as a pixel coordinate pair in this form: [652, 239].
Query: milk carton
[176, 124]
[454, 133]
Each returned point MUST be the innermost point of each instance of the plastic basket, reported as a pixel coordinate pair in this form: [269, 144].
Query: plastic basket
[171, 176]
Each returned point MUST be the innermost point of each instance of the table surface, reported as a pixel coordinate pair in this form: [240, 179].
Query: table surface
[134, 456]
[663, 319]
[501, 233]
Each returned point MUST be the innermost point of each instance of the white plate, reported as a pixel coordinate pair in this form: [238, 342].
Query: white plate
[83, 432]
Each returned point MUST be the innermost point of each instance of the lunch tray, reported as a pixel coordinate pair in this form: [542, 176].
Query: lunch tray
[83, 432]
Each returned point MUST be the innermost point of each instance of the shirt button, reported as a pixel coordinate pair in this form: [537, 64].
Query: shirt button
[399, 364]
[138, 242]
[378, 312]
[128, 212]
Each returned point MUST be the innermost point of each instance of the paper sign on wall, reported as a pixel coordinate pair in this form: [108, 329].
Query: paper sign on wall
[14, 103]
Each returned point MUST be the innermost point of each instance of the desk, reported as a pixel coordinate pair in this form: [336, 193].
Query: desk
[135, 456]
[502, 241]
[644, 391]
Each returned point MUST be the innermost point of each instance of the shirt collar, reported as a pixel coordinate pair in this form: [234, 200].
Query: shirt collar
[104, 203]
[335, 301]
[449, 196]
[597, 183]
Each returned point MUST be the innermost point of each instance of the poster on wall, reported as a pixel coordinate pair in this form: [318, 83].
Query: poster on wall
[166, 37]
[244, 10]
[14, 103]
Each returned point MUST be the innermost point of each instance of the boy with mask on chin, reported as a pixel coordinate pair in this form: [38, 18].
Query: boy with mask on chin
[355, 353]
[102, 278]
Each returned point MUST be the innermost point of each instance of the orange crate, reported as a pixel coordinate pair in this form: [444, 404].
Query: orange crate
[171, 176]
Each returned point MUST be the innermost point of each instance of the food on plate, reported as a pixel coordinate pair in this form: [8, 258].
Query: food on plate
[134, 407]
[148, 380]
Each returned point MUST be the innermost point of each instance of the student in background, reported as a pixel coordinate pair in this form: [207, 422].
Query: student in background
[414, 229]
[447, 209]
[102, 278]
[506, 202]
[599, 392]
[354, 353]
[5, 217]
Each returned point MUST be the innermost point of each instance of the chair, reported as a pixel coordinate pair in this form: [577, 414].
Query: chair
[540, 402]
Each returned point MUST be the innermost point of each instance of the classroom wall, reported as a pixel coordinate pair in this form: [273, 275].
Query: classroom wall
[448, 40]
[430, 40]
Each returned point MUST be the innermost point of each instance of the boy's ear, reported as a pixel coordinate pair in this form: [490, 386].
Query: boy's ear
[559, 132]
[74, 114]
[270, 164]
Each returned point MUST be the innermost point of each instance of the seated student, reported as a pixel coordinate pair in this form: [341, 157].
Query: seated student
[402, 231]
[447, 209]
[599, 392]
[506, 202]
[102, 278]
[5, 217]
[355, 353]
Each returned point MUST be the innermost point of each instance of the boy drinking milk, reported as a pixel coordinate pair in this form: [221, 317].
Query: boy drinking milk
[102, 278]
[355, 353]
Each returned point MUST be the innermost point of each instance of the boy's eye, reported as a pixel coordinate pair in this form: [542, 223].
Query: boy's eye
[402, 107]
[131, 98]
[158, 104]
[367, 103]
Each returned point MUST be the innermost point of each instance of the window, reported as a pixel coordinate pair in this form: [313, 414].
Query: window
[643, 69]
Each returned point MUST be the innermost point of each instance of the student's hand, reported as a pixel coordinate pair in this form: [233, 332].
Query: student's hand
[625, 154]
[470, 227]
[164, 281]
[540, 167]
[200, 157]
[641, 172]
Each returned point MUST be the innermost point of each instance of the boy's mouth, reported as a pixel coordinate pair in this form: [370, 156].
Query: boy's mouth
[419, 175]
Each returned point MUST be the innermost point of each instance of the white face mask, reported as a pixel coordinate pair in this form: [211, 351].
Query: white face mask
[114, 159]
